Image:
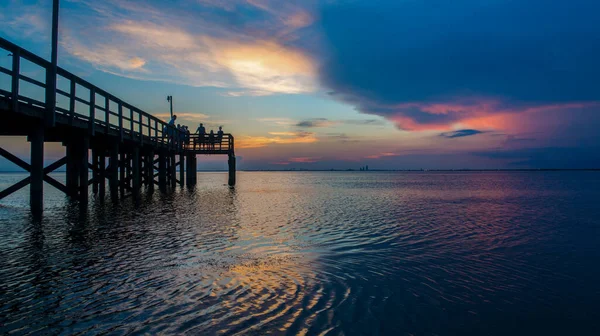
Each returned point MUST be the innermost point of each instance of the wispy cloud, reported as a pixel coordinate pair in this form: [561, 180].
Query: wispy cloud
[189, 50]
[460, 133]
[324, 122]
[277, 121]
[315, 122]
[195, 117]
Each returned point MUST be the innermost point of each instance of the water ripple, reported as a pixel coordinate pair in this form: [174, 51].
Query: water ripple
[311, 254]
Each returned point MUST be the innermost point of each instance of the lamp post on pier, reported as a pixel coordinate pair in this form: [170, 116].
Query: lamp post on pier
[170, 100]
[51, 73]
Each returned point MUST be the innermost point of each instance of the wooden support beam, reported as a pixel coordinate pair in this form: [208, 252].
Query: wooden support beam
[181, 169]
[128, 170]
[102, 173]
[162, 171]
[173, 171]
[150, 171]
[114, 171]
[137, 179]
[55, 165]
[36, 190]
[95, 171]
[72, 167]
[191, 170]
[231, 163]
[15, 187]
[122, 173]
[51, 181]
[83, 168]
[10, 157]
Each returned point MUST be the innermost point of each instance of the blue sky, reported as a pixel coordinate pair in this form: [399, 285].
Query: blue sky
[400, 84]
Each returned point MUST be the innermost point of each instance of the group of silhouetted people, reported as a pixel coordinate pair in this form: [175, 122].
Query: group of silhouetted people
[209, 140]
[203, 141]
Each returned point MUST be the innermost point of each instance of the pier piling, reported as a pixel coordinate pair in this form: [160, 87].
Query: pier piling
[36, 191]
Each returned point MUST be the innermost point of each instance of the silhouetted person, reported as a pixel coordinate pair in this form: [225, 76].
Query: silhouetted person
[220, 136]
[211, 139]
[171, 128]
[186, 131]
[201, 131]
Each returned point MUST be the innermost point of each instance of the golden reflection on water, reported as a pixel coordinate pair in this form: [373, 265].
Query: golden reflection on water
[307, 253]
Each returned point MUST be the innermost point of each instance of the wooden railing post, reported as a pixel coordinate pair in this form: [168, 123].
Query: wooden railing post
[72, 101]
[120, 121]
[14, 88]
[140, 119]
[156, 131]
[92, 125]
[131, 122]
[50, 96]
[107, 115]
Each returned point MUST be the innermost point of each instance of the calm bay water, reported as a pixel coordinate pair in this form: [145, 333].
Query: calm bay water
[311, 253]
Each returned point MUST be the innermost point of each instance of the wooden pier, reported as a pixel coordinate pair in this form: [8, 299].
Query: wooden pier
[108, 141]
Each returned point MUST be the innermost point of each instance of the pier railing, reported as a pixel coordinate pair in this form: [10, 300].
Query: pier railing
[78, 101]
[209, 145]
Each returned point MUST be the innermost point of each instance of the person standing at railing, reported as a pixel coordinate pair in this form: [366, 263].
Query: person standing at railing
[186, 132]
[211, 139]
[170, 129]
[220, 136]
[201, 131]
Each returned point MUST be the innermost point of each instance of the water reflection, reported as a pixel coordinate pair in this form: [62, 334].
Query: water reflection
[310, 253]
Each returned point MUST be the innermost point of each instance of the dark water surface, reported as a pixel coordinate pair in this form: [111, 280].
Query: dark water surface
[312, 253]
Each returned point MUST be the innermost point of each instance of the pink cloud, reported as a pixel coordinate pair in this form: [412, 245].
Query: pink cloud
[380, 155]
[304, 159]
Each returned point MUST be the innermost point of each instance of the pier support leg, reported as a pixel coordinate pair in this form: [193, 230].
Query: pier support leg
[150, 171]
[72, 168]
[181, 169]
[162, 171]
[231, 163]
[36, 190]
[84, 169]
[128, 179]
[122, 173]
[191, 170]
[137, 178]
[95, 171]
[102, 173]
[173, 171]
[114, 171]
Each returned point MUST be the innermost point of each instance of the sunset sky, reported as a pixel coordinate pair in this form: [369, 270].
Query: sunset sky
[396, 84]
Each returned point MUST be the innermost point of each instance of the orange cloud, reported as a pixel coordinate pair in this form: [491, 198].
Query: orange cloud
[165, 52]
[259, 141]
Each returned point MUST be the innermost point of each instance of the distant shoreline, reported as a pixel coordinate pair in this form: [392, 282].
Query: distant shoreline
[373, 170]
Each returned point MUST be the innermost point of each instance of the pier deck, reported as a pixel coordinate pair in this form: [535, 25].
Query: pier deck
[128, 147]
